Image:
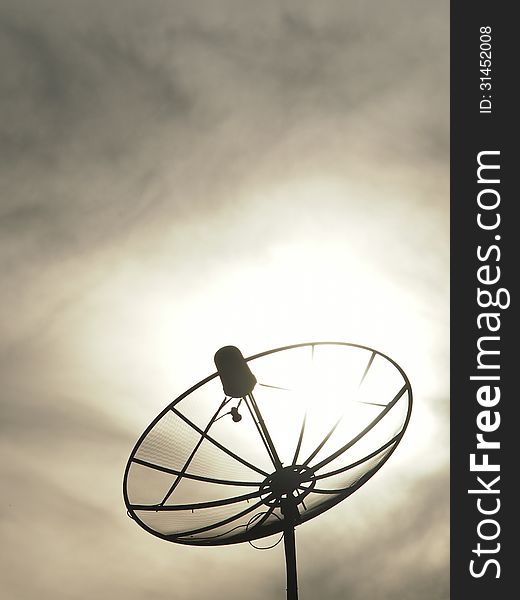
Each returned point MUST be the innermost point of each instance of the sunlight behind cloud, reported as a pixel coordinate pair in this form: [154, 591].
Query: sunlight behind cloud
[298, 288]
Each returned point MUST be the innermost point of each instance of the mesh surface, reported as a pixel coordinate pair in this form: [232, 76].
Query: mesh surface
[336, 411]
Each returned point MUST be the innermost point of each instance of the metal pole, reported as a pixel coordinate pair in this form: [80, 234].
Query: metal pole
[290, 562]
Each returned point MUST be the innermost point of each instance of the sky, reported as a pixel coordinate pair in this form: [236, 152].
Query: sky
[178, 176]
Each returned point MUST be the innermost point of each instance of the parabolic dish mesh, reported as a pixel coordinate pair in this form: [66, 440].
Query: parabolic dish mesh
[335, 411]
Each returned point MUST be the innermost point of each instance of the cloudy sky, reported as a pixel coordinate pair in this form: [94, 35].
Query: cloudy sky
[177, 176]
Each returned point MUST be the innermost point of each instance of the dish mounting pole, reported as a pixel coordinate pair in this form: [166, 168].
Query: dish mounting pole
[291, 514]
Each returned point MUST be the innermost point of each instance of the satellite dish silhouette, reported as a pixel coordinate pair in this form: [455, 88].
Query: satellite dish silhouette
[267, 443]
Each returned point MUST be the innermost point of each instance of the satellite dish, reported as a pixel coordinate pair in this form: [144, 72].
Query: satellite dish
[267, 443]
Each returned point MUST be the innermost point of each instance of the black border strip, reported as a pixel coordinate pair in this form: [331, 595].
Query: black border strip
[473, 132]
